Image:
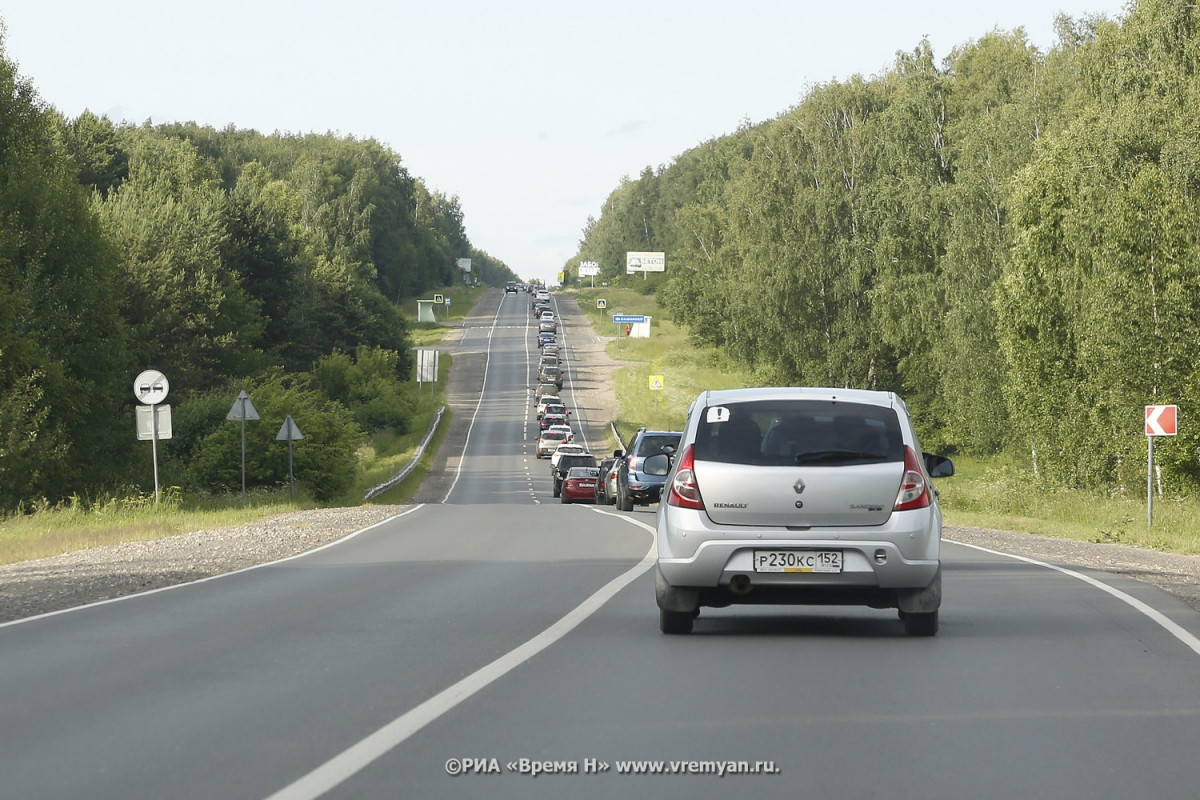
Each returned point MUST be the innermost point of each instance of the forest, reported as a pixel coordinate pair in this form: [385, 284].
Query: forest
[228, 260]
[1009, 239]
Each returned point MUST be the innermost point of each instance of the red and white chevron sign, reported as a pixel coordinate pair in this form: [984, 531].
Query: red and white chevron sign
[1162, 420]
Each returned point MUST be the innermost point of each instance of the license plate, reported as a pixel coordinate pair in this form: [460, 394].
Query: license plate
[797, 560]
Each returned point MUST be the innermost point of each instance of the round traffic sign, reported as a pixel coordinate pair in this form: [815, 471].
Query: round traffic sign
[151, 387]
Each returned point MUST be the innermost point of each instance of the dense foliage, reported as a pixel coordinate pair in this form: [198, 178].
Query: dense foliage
[1009, 240]
[225, 258]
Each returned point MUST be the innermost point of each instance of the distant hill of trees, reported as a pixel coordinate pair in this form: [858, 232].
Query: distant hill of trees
[225, 258]
[1011, 240]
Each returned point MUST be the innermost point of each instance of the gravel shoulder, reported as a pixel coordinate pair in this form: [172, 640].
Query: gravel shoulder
[87, 576]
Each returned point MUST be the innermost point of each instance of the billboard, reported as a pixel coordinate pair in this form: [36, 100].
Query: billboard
[589, 269]
[645, 262]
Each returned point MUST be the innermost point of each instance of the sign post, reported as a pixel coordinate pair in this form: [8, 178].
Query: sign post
[427, 368]
[1160, 421]
[645, 262]
[150, 388]
[243, 410]
[627, 320]
[291, 432]
[589, 269]
[656, 386]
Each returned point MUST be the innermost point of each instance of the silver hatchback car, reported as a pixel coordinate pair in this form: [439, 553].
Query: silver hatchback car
[799, 496]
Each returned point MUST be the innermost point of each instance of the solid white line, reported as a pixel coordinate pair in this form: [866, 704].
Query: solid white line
[479, 404]
[1154, 614]
[347, 537]
[361, 755]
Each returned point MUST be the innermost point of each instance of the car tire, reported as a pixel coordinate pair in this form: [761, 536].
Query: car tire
[623, 501]
[924, 624]
[675, 622]
[564, 500]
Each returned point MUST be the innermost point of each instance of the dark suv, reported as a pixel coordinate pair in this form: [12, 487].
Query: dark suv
[559, 471]
[511, 286]
[634, 486]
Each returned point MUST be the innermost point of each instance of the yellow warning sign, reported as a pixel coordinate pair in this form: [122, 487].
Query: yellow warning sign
[656, 383]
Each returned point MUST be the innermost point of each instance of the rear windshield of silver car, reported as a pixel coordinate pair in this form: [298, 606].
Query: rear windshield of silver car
[799, 432]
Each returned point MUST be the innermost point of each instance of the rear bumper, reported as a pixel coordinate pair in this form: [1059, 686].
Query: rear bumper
[904, 554]
[641, 490]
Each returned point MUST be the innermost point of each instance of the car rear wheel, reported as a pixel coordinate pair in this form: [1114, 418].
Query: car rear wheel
[925, 624]
[675, 622]
[623, 501]
[564, 500]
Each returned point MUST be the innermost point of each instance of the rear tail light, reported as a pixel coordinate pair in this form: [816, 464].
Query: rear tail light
[914, 493]
[685, 492]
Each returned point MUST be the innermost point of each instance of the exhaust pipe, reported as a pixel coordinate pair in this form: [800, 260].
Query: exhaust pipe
[740, 584]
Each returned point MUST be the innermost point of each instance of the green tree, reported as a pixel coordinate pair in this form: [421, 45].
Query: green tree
[96, 148]
[64, 367]
[189, 312]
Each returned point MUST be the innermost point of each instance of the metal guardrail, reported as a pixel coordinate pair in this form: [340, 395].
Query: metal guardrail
[402, 474]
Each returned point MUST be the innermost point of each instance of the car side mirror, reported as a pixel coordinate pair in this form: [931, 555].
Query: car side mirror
[938, 466]
[618, 453]
[658, 464]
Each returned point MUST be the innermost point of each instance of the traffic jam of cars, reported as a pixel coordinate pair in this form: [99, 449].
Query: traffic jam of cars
[555, 436]
[577, 475]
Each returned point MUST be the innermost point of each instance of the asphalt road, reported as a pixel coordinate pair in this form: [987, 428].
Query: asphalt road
[497, 634]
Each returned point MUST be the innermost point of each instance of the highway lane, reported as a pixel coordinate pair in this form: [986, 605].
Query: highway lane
[236, 686]
[328, 675]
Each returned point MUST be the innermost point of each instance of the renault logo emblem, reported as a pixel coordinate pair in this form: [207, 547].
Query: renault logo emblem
[799, 487]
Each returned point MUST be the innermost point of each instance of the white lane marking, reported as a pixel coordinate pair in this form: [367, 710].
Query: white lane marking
[345, 538]
[1176, 630]
[361, 755]
[478, 405]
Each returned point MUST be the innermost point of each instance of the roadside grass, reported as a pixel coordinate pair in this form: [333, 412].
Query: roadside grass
[80, 524]
[388, 453]
[1002, 494]
[996, 492]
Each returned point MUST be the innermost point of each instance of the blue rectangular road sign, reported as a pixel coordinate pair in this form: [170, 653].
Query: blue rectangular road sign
[628, 319]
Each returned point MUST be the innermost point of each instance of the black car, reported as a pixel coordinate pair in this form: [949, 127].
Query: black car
[549, 419]
[634, 486]
[511, 286]
[559, 471]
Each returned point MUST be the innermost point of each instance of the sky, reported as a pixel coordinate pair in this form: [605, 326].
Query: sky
[529, 112]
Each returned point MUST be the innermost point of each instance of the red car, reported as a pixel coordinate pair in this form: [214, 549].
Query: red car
[580, 485]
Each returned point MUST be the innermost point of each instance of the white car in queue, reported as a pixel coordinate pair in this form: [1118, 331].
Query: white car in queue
[549, 440]
[566, 448]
